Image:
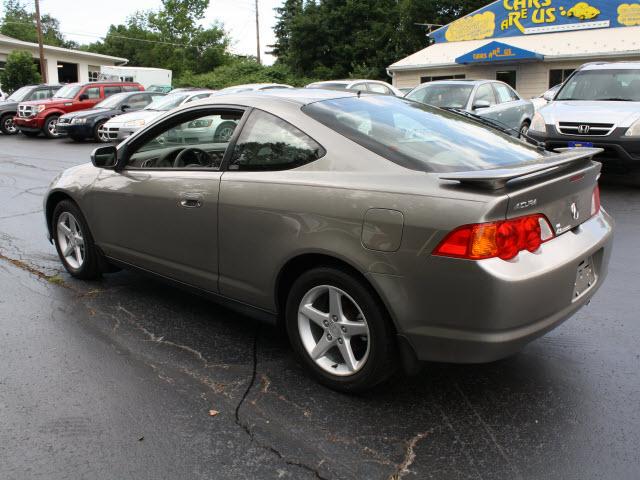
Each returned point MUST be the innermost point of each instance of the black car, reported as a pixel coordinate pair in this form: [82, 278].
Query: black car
[9, 107]
[88, 123]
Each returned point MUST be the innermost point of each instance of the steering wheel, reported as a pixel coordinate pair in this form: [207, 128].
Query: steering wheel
[198, 157]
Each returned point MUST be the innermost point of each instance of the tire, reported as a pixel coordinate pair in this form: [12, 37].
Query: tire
[6, 124]
[87, 265]
[30, 134]
[224, 132]
[524, 129]
[97, 135]
[49, 127]
[373, 361]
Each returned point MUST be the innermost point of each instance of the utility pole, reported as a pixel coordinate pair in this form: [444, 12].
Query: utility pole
[257, 33]
[43, 67]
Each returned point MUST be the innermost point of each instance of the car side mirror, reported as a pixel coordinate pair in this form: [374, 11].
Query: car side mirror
[481, 104]
[105, 157]
[83, 97]
[548, 96]
[124, 108]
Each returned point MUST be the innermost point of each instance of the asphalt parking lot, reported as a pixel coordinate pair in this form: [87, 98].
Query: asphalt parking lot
[118, 378]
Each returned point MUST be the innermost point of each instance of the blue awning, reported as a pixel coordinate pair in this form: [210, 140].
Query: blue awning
[495, 52]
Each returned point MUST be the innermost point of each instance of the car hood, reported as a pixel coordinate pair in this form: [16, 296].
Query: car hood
[5, 105]
[622, 114]
[146, 115]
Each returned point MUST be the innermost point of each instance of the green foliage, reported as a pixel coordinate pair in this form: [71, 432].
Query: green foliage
[169, 38]
[18, 23]
[19, 70]
[240, 71]
[357, 38]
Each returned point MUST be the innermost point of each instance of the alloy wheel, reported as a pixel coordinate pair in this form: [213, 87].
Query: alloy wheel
[9, 126]
[70, 240]
[103, 136]
[225, 134]
[333, 330]
[51, 127]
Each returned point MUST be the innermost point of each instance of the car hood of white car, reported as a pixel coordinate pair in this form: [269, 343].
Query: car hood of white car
[621, 114]
[146, 115]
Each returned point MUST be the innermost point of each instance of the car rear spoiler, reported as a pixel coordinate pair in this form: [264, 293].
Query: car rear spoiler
[495, 179]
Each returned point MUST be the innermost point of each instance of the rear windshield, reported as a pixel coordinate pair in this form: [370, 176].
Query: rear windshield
[614, 85]
[419, 136]
[443, 95]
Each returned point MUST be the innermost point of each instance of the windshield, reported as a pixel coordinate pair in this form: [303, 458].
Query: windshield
[167, 103]
[68, 91]
[602, 85]
[329, 85]
[443, 95]
[19, 94]
[421, 137]
[113, 101]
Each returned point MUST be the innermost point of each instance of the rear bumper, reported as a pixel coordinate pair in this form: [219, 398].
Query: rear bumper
[476, 312]
[617, 147]
[33, 124]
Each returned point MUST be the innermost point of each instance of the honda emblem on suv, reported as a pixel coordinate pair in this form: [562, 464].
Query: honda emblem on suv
[575, 213]
[583, 129]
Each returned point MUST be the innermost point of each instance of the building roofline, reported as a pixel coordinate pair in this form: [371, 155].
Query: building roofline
[13, 41]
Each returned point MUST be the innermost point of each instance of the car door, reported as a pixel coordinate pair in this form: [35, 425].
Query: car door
[87, 98]
[257, 215]
[484, 102]
[509, 108]
[160, 212]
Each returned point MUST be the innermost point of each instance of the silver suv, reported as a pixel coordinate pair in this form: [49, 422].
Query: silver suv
[598, 106]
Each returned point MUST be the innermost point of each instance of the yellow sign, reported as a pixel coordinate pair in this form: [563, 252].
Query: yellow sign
[474, 27]
[542, 12]
[495, 53]
[629, 14]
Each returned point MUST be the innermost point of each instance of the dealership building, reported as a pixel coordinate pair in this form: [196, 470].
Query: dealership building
[530, 44]
[63, 65]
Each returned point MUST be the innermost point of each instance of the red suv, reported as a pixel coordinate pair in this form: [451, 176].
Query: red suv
[42, 115]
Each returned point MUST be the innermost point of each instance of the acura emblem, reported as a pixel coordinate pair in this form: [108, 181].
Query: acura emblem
[574, 211]
[583, 129]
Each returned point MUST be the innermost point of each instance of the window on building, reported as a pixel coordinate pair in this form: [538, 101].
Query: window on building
[507, 76]
[94, 75]
[559, 75]
[442, 77]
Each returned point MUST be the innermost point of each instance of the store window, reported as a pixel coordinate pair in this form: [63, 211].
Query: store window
[559, 75]
[442, 77]
[507, 76]
[94, 73]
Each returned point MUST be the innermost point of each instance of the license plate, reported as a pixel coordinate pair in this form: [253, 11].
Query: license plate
[585, 278]
[580, 144]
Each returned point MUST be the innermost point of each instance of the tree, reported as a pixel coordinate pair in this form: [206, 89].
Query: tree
[348, 38]
[19, 70]
[18, 23]
[168, 38]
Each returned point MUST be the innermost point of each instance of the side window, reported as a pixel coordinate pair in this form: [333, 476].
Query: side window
[92, 93]
[360, 86]
[41, 94]
[108, 91]
[504, 93]
[269, 143]
[137, 102]
[379, 88]
[485, 94]
[197, 143]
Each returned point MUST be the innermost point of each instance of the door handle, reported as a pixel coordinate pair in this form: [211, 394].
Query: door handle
[190, 203]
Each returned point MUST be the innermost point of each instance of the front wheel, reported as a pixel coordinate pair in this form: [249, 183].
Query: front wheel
[100, 134]
[74, 242]
[524, 129]
[340, 331]
[50, 125]
[7, 126]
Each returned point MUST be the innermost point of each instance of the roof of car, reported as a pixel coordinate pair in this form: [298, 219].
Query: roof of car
[300, 96]
[611, 65]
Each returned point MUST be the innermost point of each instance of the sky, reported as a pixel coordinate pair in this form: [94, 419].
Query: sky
[83, 21]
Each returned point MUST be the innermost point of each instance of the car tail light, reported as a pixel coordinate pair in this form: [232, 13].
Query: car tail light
[595, 200]
[504, 239]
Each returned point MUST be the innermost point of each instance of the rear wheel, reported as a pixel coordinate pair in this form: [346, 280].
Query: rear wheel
[74, 242]
[340, 331]
[49, 127]
[6, 125]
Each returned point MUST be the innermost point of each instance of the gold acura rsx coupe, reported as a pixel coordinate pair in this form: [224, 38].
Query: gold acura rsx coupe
[378, 231]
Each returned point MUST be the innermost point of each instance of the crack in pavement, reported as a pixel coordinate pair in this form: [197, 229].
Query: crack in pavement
[248, 430]
[409, 457]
